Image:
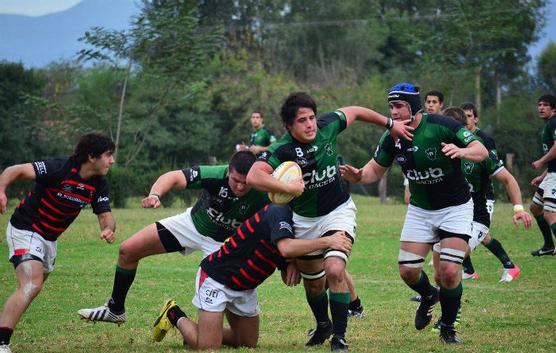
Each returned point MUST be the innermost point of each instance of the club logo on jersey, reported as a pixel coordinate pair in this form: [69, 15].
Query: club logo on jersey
[193, 175]
[243, 208]
[468, 167]
[544, 147]
[401, 159]
[41, 168]
[302, 161]
[467, 136]
[287, 226]
[264, 155]
[431, 153]
[328, 149]
[316, 179]
[430, 176]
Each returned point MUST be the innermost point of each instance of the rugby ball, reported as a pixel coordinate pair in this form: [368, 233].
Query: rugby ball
[285, 172]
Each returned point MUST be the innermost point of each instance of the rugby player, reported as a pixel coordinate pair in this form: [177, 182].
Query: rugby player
[323, 205]
[261, 137]
[62, 188]
[225, 203]
[227, 280]
[440, 208]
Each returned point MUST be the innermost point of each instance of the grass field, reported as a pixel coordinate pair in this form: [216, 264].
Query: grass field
[513, 317]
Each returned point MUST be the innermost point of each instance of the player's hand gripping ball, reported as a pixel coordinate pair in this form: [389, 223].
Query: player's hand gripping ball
[285, 172]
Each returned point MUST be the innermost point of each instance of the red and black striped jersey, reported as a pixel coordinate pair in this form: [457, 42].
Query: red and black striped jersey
[250, 255]
[58, 197]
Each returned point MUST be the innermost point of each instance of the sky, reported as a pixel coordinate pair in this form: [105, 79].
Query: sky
[43, 7]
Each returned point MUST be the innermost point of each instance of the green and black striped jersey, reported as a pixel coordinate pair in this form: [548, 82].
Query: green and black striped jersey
[218, 211]
[435, 181]
[324, 190]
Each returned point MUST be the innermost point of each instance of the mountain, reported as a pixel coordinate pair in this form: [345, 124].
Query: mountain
[37, 41]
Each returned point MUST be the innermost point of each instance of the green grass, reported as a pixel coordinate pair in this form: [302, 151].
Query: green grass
[512, 317]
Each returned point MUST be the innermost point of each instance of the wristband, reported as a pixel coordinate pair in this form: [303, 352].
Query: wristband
[155, 195]
[389, 123]
[518, 208]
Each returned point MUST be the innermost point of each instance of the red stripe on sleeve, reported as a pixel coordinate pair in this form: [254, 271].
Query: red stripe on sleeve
[233, 242]
[257, 217]
[242, 271]
[269, 248]
[240, 233]
[266, 207]
[224, 248]
[260, 256]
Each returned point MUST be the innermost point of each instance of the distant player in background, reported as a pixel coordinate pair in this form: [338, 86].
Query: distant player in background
[543, 206]
[227, 280]
[261, 137]
[62, 188]
[434, 102]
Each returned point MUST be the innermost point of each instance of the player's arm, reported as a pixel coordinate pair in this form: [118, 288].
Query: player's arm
[258, 149]
[290, 247]
[474, 152]
[370, 173]
[164, 183]
[398, 129]
[550, 155]
[538, 179]
[260, 177]
[107, 227]
[514, 194]
[11, 174]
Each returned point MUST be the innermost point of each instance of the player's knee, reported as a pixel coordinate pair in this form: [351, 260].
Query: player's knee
[408, 274]
[335, 271]
[450, 274]
[29, 290]
[126, 253]
[437, 278]
[535, 209]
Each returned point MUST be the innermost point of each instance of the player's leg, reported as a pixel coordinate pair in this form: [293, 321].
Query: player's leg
[314, 280]
[335, 268]
[510, 271]
[536, 209]
[355, 308]
[243, 331]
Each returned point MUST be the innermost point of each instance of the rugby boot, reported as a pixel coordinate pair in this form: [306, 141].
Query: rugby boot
[356, 312]
[509, 274]
[5, 348]
[162, 324]
[103, 313]
[423, 315]
[448, 334]
[543, 251]
[338, 344]
[318, 335]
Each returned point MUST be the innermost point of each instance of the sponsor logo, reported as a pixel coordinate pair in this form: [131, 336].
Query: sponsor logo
[430, 176]
[264, 155]
[319, 179]
[328, 149]
[544, 147]
[312, 149]
[71, 198]
[302, 162]
[103, 199]
[211, 293]
[401, 159]
[41, 168]
[193, 175]
[80, 186]
[413, 149]
[219, 218]
[67, 188]
[431, 153]
[287, 226]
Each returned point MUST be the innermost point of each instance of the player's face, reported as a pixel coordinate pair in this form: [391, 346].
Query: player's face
[471, 120]
[399, 111]
[545, 110]
[102, 163]
[433, 105]
[304, 126]
[256, 120]
[238, 183]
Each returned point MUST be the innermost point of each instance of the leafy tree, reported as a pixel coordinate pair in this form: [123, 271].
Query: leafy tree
[547, 66]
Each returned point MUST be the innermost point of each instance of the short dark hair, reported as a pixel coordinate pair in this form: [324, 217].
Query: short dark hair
[456, 113]
[292, 103]
[242, 161]
[436, 94]
[257, 112]
[93, 145]
[469, 106]
[548, 98]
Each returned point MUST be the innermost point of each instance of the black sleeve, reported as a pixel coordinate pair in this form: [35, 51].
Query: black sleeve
[49, 171]
[279, 220]
[101, 200]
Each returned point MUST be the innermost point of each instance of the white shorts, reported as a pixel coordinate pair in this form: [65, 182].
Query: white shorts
[181, 226]
[422, 226]
[490, 207]
[26, 242]
[479, 233]
[342, 218]
[215, 297]
[548, 187]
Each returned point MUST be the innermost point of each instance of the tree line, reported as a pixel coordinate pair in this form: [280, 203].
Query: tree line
[177, 87]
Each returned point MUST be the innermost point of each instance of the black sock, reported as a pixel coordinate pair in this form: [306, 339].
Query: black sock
[339, 311]
[423, 286]
[5, 335]
[468, 265]
[123, 279]
[497, 249]
[174, 314]
[319, 307]
[450, 301]
[356, 304]
[546, 232]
